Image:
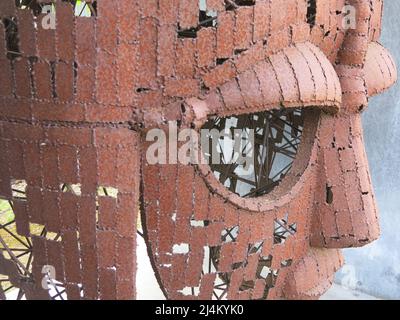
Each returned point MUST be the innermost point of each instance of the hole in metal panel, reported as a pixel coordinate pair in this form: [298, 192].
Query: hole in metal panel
[251, 154]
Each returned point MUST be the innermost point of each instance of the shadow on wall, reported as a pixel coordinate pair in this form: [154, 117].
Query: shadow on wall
[375, 269]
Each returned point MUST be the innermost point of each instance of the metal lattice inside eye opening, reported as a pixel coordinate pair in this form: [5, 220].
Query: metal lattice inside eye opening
[251, 154]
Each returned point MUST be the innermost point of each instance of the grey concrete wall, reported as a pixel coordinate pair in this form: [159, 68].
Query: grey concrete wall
[375, 269]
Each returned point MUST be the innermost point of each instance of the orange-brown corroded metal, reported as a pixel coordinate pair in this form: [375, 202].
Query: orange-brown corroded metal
[75, 100]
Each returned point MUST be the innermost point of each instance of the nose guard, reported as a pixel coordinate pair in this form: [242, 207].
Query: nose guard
[345, 212]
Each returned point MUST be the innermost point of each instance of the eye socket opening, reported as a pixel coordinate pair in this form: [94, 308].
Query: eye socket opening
[252, 155]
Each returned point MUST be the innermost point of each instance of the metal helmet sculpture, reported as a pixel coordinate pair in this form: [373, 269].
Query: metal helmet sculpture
[77, 97]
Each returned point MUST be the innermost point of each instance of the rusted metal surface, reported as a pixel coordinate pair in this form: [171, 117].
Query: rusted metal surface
[75, 101]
